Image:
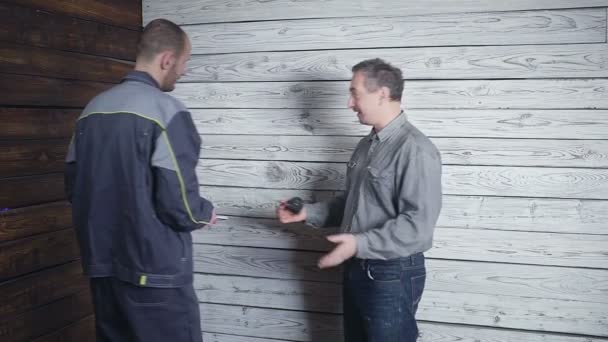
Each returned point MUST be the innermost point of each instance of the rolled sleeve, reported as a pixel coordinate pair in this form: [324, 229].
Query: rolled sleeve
[325, 214]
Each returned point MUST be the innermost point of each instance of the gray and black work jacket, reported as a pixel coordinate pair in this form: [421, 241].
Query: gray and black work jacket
[130, 176]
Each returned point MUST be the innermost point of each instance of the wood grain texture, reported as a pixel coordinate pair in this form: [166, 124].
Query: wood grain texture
[525, 152]
[590, 93]
[514, 96]
[438, 306]
[189, 11]
[458, 276]
[256, 202]
[433, 332]
[83, 330]
[450, 303]
[262, 147]
[526, 182]
[54, 54]
[214, 337]
[37, 123]
[575, 250]
[31, 190]
[457, 180]
[505, 312]
[47, 319]
[462, 62]
[24, 25]
[257, 322]
[436, 332]
[503, 213]
[462, 94]
[272, 174]
[497, 28]
[526, 214]
[461, 151]
[22, 158]
[302, 326]
[264, 233]
[37, 289]
[269, 293]
[38, 252]
[114, 12]
[253, 262]
[20, 90]
[30, 60]
[471, 123]
[516, 280]
[33, 220]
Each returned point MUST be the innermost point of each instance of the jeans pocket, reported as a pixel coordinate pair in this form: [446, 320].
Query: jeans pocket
[417, 283]
[384, 273]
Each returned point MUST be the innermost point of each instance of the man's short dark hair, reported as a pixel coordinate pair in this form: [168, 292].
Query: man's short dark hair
[158, 36]
[381, 74]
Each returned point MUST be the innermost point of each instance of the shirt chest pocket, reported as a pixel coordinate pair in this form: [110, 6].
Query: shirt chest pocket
[380, 177]
[379, 188]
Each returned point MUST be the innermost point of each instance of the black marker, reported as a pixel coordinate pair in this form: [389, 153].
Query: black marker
[295, 205]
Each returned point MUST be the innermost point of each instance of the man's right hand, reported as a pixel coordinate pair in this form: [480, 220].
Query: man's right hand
[286, 216]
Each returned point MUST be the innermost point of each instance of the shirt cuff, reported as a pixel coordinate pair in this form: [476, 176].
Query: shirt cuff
[313, 215]
[362, 246]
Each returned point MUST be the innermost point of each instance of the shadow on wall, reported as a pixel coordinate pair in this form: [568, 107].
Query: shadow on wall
[322, 300]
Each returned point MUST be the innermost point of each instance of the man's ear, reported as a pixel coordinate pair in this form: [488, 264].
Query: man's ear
[385, 94]
[167, 60]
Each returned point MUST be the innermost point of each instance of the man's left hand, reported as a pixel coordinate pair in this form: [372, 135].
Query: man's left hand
[346, 248]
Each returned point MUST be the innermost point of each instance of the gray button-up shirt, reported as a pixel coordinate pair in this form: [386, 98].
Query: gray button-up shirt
[393, 193]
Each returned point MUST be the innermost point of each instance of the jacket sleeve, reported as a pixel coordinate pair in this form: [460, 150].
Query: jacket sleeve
[176, 187]
[70, 170]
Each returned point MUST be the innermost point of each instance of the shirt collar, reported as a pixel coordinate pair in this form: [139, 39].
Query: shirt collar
[393, 127]
[141, 76]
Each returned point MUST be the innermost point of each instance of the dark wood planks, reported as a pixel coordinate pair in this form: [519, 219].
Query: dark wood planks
[24, 25]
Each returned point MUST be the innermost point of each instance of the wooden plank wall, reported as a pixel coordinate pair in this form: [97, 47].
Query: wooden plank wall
[56, 56]
[515, 95]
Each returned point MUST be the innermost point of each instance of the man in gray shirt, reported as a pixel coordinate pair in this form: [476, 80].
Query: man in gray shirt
[386, 215]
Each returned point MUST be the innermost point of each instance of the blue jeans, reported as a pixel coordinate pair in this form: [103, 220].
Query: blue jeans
[380, 299]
